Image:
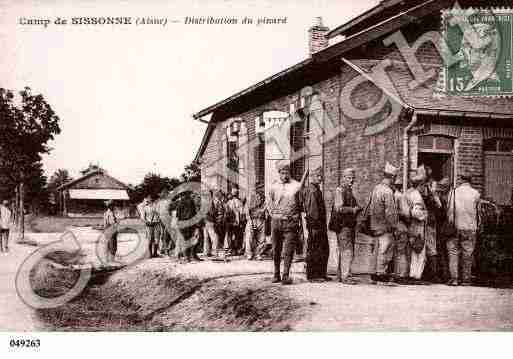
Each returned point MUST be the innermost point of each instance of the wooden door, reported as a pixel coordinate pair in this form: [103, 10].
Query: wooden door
[499, 177]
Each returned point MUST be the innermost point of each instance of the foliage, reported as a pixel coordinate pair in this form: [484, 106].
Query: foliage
[27, 124]
[192, 173]
[59, 177]
[153, 184]
[90, 168]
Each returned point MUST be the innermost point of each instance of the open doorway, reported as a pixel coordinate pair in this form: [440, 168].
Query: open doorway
[440, 163]
[437, 152]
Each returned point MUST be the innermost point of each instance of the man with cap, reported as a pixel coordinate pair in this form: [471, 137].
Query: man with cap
[109, 220]
[256, 212]
[235, 223]
[402, 247]
[285, 209]
[318, 249]
[433, 207]
[189, 232]
[383, 221]
[214, 222]
[347, 207]
[418, 215]
[463, 212]
[443, 188]
[5, 225]
[151, 218]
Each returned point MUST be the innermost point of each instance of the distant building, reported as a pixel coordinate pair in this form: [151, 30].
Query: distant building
[86, 196]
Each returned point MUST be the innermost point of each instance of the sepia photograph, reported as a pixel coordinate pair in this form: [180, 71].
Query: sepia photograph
[255, 166]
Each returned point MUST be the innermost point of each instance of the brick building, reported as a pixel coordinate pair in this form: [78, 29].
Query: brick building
[357, 101]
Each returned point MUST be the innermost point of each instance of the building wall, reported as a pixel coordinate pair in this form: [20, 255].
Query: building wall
[470, 154]
[368, 154]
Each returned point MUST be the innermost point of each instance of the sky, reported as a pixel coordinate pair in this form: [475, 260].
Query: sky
[126, 94]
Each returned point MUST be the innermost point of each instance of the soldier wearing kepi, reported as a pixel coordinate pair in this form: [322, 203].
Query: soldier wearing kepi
[285, 209]
[383, 221]
[347, 207]
[318, 249]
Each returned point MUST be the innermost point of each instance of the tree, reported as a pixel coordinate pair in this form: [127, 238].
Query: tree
[152, 185]
[59, 177]
[90, 168]
[27, 125]
[192, 173]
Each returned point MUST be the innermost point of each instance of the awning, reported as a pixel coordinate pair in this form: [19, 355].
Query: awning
[115, 194]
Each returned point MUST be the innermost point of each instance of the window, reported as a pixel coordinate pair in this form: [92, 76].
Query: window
[498, 169]
[498, 145]
[436, 143]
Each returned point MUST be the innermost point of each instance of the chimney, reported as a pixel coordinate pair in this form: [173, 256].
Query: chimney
[317, 39]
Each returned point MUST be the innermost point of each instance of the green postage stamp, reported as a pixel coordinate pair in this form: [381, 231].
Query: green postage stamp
[480, 52]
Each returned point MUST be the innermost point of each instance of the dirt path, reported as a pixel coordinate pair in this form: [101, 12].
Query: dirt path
[14, 314]
[373, 308]
[315, 306]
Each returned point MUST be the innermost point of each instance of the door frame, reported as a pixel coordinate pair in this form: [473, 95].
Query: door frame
[453, 153]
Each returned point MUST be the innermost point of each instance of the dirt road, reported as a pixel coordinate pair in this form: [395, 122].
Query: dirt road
[14, 314]
[152, 287]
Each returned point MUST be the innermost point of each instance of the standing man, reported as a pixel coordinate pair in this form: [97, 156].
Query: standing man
[140, 207]
[417, 224]
[402, 244]
[285, 210]
[189, 233]
[443, 188]
[465, 207]
[433, 207]
[164, 238]
[109, 220]
[256, 212]
[383, 221]
[347, 207]
[5, 225]
[235, 222]
[318, 248]
[210, 238]
[152, 219]
[214, 225]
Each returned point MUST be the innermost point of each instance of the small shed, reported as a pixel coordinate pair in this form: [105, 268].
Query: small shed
[86, 196]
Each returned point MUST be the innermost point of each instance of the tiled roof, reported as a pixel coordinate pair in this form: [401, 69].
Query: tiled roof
[424, 97]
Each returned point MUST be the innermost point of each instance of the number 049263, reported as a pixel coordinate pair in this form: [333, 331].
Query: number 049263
[24, 343]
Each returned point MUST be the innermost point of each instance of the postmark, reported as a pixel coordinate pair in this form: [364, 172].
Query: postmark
[481, 52]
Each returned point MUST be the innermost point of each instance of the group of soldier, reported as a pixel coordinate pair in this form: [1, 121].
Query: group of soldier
[430, 225]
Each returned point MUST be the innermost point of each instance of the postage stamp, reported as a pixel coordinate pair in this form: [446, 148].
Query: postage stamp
[481, 52]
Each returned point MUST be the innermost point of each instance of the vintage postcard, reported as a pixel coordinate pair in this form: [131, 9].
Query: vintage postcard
[242, 166]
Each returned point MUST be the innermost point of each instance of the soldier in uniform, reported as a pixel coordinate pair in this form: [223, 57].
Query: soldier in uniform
[256, 213]
[383, 221]
[402, 245]
[214, 225]
[418, 216]
[285, 210]
[318, 249]
[347, 207]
